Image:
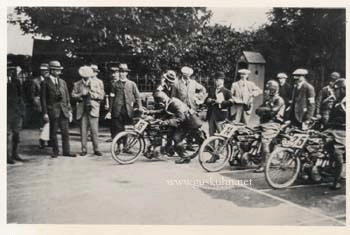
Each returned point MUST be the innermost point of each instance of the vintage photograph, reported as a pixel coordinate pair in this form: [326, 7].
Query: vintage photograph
[176, 115]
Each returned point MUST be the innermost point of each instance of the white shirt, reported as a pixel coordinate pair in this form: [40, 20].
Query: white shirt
[54, 80]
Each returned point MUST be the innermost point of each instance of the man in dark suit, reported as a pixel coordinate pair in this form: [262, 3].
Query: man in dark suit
[35, 93]
[88, 92]
[124, 97]
[167, 82]
[219, 100]
[303, 106]
[286, 92]
[56, 107]
[15, 113]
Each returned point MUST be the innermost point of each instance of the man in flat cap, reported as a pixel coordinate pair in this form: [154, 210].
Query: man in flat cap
[325, 99]
[303, 100]
[219, 100]
[286, 92]
[189, 90]
[125, 97]
[243, 92]
[88, 92]
[35, 92]
[56, 107]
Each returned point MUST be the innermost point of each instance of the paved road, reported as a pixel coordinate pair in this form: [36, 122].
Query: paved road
[96, 190]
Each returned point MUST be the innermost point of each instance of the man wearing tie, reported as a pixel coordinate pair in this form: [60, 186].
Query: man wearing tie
[219, 100]
[189, 90]
[243, 92]
[124, 98]
[303, 106]
[88, 92]
[56, 107]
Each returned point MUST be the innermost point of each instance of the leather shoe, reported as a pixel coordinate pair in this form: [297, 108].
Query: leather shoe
[54, 156]
[10, 161]
[98, 153]
[213, 158]
[109, 140]
[336, 185]
[69, 155]
[17, 158]
[182, 161]
[83, 154]
[259, 169]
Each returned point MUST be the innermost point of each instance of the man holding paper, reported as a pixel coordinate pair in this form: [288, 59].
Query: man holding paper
[219, 101]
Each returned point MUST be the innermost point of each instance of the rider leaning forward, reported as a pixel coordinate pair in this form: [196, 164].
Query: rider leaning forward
[271, 116]
[179, 115]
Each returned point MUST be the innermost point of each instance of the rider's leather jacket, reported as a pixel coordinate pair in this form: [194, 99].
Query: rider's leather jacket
[179, 114]
[337, 119]
[272, 109]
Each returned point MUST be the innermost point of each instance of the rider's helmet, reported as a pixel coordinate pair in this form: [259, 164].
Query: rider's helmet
[339, 88]
[272, 88]
[160, 97]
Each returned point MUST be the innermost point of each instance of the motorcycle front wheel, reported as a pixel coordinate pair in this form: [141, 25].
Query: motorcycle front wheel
[126, 147]
[282, 168]
[214, 153]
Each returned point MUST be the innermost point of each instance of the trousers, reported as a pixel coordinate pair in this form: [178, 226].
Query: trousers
[63, 123]
[88, 122]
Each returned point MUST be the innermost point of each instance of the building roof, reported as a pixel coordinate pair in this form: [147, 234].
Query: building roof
[254, 57]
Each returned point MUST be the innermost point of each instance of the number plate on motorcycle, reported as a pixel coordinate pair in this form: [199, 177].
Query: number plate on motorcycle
[228, 130]
[296, 141]
[141, 126]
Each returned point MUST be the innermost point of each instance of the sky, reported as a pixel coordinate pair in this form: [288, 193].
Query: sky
[239, 18]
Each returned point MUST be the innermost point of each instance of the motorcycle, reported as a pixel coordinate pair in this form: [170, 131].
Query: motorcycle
[304, 154]
[146, 137]
[237, 144]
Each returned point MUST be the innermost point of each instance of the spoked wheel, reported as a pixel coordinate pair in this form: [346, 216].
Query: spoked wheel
[282, 168]
[126, 147]
[214, 153]
[193, 143]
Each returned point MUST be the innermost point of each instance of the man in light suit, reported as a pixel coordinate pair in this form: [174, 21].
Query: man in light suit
[125, 97]
[243, 92]
[88, 92]
[188, 90]
[303, 106]
[56, 107]
[219, 100]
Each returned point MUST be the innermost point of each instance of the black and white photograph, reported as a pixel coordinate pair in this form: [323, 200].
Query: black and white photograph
[176, 115]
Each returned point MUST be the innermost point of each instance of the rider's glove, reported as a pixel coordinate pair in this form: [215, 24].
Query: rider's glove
[164, 123]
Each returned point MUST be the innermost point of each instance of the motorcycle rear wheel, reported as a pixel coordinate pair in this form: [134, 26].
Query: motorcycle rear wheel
[282, 168]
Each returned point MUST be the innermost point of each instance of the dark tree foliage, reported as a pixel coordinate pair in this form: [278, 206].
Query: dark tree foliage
[148, 33]
[313, 38]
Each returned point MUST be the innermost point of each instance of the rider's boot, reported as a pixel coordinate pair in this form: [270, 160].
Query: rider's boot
[338, 170]
[261, 168]
[180, 150]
